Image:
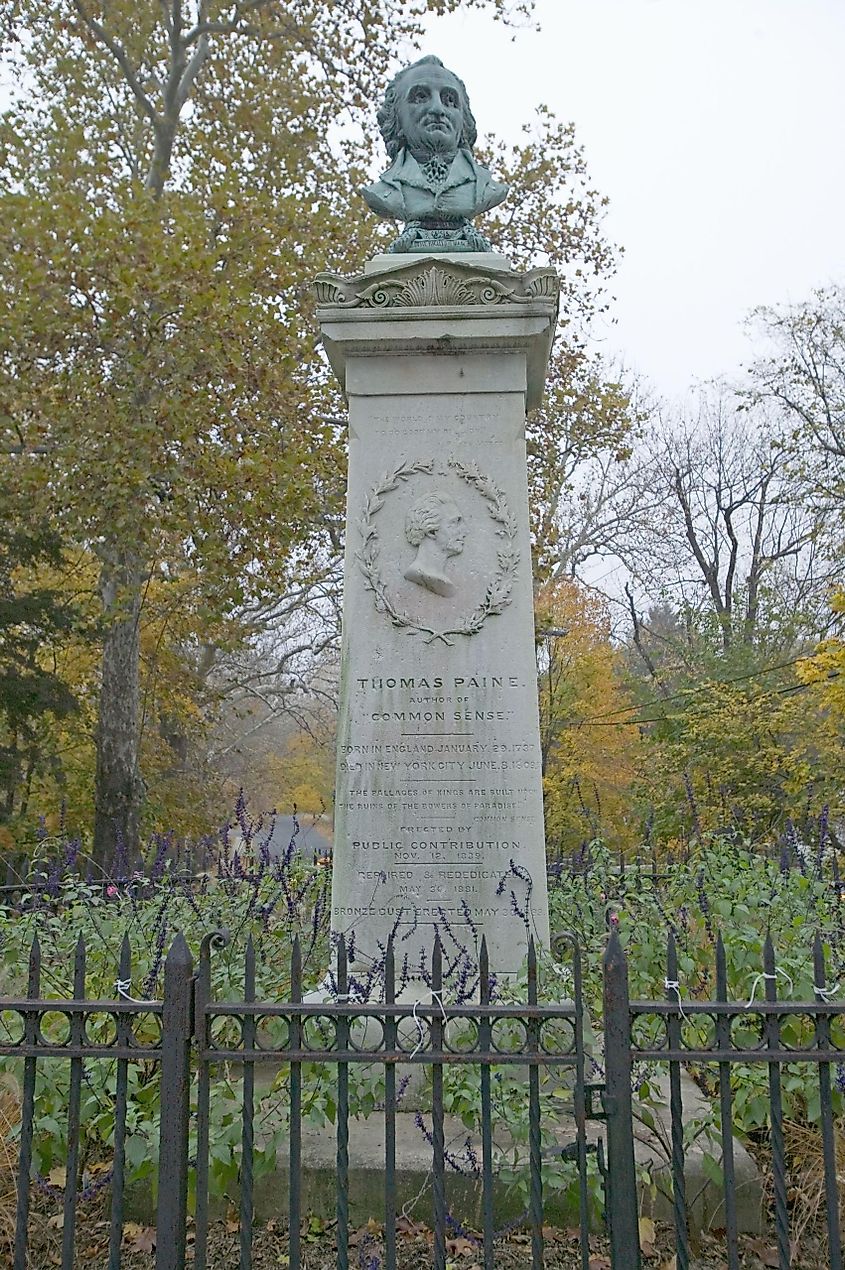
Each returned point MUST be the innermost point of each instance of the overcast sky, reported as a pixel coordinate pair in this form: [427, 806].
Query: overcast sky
[716, 129]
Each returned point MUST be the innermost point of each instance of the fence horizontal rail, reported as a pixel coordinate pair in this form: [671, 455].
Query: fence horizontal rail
[96, 1005]
[736, 1009]
[528, 1058]
[134, 1053]
[467, 1011]
[784, 1057]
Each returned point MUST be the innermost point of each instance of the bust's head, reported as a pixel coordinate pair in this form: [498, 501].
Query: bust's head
[426, 110]
[436, 517]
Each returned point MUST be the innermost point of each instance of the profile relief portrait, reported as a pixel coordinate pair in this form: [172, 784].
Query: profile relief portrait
[434, 183]
[435, 527]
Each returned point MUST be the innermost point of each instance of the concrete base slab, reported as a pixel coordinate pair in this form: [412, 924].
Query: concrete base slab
[705, 1199]
[318, 1177]
[414, 1159]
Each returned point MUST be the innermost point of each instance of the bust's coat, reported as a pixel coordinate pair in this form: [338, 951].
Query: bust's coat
[403, 193]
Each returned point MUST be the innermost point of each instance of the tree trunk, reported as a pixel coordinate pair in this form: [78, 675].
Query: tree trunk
[119, 789]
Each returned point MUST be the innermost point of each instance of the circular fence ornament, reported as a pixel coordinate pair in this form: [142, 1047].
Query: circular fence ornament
[499, 590]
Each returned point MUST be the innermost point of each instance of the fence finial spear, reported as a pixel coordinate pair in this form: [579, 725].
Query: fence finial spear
[180, 953]
[34, 980]
[671, 959]
[79, 968]
[818, 963]
[342, 965]
[437, 963]
[296, 970]
[614, 954]
[389, 971]
[532, 971]
[721, 969]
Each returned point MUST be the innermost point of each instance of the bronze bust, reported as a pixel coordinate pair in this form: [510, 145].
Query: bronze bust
[434, 183]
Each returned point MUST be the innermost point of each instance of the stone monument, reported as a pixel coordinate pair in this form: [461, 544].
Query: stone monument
[440, 348]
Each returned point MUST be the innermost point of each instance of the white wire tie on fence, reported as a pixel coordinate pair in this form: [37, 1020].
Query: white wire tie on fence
[122, 987]
[673, 985]
[765, 975]
[420, 1031]
[826, 993]
[435, 996]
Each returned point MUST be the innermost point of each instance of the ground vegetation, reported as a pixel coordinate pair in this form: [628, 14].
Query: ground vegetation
[725, 886]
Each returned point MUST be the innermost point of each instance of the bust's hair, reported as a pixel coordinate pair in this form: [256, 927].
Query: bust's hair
[388, 114]
[426, 516]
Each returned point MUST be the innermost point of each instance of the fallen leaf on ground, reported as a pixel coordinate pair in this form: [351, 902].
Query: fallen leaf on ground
[144, 1240]
[407, 1226]
[461, 1247]
[370, 1231]
[648, 1235]
[767, 1253]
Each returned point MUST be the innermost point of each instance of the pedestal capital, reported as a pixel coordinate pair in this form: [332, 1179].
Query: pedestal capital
[437, 305]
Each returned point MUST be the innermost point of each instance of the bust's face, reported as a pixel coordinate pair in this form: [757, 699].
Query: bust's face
[430, 110]
[451, 533]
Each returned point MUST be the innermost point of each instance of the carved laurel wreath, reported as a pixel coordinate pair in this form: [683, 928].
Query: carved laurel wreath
[498, 595]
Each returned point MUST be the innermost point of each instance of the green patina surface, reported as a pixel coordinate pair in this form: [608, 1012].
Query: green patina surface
[434, 184]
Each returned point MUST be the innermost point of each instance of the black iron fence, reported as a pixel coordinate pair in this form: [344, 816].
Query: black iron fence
[424, 1032]
[417, 1028]
[720, 1034]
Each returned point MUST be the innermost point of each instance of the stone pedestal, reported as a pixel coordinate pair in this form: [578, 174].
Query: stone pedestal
[438, 808]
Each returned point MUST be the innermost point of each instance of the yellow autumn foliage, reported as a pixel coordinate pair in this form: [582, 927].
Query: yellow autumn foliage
[588, 767]
[747, 754]
[826, 669]
[301, 776]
